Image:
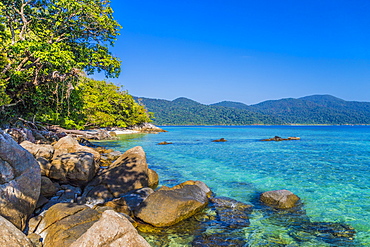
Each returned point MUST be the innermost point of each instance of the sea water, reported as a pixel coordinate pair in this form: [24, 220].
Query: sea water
[328, 168]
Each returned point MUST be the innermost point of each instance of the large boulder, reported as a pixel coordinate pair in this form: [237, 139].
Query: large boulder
[128, 172]
[69, 144]
[64, 223]
[113, 229]
[12, 236]
[75, 168]
[168, 206]
[38, 150]
[282, 199]
[20, 182]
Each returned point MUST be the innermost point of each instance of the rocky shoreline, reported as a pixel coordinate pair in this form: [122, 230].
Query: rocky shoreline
[58, 189]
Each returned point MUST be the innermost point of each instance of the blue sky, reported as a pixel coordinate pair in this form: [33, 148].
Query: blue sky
[245, 51]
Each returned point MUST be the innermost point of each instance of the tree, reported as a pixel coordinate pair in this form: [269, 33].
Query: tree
[46, 47]
[105, 105]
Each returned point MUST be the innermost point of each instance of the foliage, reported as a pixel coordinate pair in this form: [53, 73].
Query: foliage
[105, 105]
[183, 111]
[316, 109]
[46, 46]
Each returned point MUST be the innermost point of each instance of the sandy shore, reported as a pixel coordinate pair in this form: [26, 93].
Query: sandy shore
[123, 132]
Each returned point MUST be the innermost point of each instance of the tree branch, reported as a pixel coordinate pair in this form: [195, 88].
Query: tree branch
[9, 105]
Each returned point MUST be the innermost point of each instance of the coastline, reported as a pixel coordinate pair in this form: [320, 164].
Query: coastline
[125, 132]
[237, 218]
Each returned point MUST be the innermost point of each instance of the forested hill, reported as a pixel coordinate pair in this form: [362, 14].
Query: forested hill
[315, 109]
[183, 111]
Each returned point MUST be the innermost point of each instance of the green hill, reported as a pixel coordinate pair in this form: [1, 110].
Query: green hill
[315, 109]
[183, 111]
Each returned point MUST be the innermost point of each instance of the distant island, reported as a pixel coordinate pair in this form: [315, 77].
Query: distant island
[309, 110]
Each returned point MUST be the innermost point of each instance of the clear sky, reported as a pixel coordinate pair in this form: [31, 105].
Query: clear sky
[243, 50]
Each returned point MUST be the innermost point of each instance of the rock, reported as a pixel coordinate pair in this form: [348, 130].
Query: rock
[169, 206]
[218, 239]
[48, 188]
[44, 165]
[135, 197]
[35, 239]
[220, 140]
[330, 231]
[200, 184]
[281, 199]
[74, 168]
[232, 212]
[33, 223]
[41, 201]
[11, 236]
[127, 173]
[278, 138]
[113, 230]
[39, 137]
[20, 182]
[107, 158]
[17, 134]
[119, 205]
[113, 134]
[146, 128]
[64, 223]
[153, 179]
[84, 142]
[164, 143]
[114, 155]
[44, 151]
[66, 194]
[294, 138]
[70, 145]
[69, 193]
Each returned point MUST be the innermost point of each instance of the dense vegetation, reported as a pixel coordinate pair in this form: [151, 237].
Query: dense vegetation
[47, 47]
[317, 109]
[183, 111]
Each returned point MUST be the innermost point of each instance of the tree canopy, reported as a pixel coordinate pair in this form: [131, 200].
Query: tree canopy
[47, 47]
[105, 105]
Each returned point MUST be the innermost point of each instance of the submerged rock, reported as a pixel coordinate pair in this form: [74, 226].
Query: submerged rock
[282, 199]
[330, 232]
[221, 238]
[232, 212]
[20, 182]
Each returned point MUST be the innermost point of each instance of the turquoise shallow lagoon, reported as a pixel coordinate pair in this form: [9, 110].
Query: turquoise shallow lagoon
[328, 169]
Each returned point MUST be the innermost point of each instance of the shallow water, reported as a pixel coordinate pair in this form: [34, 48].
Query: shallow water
[328, 169]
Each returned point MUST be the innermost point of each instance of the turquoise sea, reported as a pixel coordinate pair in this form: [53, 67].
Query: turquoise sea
[328, 169]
